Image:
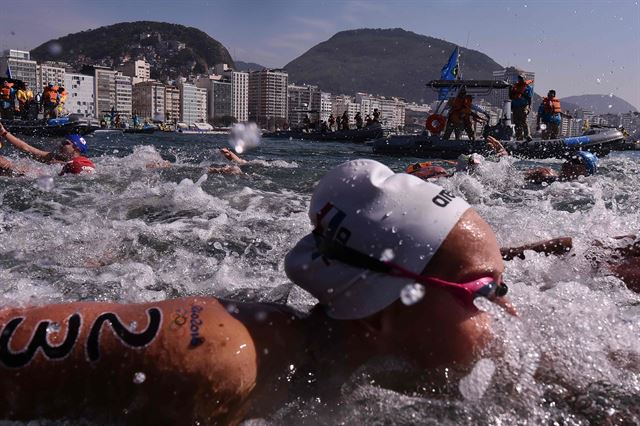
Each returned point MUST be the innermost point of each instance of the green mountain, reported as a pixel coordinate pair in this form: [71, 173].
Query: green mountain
[248, 66]
[171, 49]
[601, 104]
[390, 62]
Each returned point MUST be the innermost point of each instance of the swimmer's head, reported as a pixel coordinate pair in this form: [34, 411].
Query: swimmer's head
[426, 170]
[469, 162]
[73, 145]
[583, 163]
[363, 213]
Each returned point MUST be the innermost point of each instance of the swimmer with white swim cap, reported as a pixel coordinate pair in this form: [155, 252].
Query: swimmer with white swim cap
[208, 360]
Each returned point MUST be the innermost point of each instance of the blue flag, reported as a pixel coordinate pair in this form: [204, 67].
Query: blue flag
[9, 71]
[449, 72]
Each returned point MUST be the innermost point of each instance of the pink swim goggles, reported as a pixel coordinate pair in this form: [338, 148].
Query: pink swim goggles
[486, 287]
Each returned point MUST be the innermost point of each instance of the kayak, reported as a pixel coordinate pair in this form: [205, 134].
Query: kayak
[598, 141]
[371, 132]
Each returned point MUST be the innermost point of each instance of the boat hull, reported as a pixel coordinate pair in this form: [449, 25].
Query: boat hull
[352, 135]
[42, 128]
[422, 146]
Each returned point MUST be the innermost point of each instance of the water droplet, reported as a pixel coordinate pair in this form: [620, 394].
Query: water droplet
[45, 183]
[528, 59]
[387, 255]
[386, 215]
[610, 106]
[217, 245]
[139, 377]
[133, 325]
[53, 327]
[598, 81]
[412, 294]
[260, 316]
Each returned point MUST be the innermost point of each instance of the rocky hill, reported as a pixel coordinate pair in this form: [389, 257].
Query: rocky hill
[248, 66]
[391, 62]
[601, 104]
[171, 49]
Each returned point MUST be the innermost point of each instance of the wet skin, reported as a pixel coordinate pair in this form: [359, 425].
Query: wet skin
[230, 359]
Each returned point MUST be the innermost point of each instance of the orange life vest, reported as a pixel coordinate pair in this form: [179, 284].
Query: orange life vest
[50, 95]
[460, 109]
[551, 106]
[518, 89]
[5, 95]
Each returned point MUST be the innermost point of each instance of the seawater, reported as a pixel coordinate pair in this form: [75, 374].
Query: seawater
[131, 234]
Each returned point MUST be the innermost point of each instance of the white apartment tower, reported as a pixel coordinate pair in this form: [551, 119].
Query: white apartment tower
[193, 104]
[510, 75]
[123, 99]
[268, 98]
[239, 91]
[139, 69]
[303, 100]
[80, 99]
[21, 66]
[104, 84]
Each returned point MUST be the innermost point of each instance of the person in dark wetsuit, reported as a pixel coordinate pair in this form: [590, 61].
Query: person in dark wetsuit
[358, 119]
[344, 121]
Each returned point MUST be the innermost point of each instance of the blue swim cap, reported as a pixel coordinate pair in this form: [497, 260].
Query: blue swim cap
[589, 160]
[78, 141]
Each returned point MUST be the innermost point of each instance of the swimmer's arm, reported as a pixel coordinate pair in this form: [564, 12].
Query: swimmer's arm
[496, 146]
[231, 156]
[36, 153]
[555, 246]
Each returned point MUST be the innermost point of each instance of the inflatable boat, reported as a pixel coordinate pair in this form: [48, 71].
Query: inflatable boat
[52, 127]
[598, 141]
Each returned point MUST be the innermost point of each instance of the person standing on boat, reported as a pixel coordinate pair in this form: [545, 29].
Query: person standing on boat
[7, 101]
[50, 101]
[376, 115]
[520, 95]
[550, 113]
[306, 123]
[460, 114]
[25, 99]
[332, 122]
[358, 119]
[344, 121]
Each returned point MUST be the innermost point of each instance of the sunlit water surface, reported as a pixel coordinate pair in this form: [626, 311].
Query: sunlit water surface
[133, 234]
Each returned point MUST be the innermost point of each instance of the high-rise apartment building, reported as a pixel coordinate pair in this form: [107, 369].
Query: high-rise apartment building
[219, 94]
[193, 104]
[139, 69]
[50, 74]
[172, 104]
[124, 92]
[268, 98]
[303, 100]
[392, 112]
[149, 100]
[325, 106]
[104, 83]
[21, 67]
[80, 98]
[342, 103]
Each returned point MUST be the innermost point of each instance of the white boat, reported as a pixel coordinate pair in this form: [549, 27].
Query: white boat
[200, 129]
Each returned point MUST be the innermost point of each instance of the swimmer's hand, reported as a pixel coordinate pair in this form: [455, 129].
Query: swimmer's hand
[231, 156]
[496, 146]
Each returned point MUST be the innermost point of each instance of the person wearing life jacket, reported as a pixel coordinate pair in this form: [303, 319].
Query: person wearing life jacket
[25, 100]
[344, 121]
[376, 115]
[50, 101]
[521, 94]
[358, 119]
[550, 114]
[62, 98]
[7, 101]
[70, 154]
[332, 122]
[376, 276]
[460, 115]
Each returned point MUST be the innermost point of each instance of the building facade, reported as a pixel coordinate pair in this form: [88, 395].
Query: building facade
[104, 88]
[325, 106]
[172, 104]
[268, 98]
[240, 95]
[193, 104]
[345, 103]
[50, 74]
[149, 101]
[20, 65]
[80, 98]
[303, 100]
[139, 69]
[124, 96]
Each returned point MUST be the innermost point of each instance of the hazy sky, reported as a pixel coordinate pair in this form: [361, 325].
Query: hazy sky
[575, 47]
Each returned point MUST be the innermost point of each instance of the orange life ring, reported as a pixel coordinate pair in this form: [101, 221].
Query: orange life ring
[436, 123]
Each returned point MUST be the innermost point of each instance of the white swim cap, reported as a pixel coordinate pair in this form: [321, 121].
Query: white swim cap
[365, 206]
